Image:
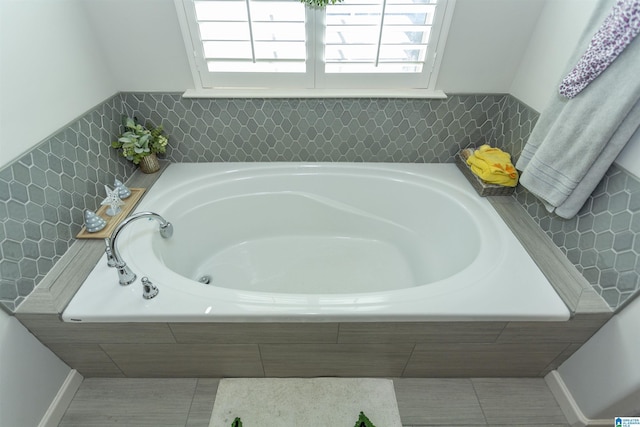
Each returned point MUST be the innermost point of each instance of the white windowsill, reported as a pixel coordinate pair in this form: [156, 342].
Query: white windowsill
[313, 93]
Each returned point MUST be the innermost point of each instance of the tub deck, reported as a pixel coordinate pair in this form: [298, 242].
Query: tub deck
[409, 349]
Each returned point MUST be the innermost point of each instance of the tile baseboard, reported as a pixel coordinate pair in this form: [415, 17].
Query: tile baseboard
[569, 406]
[63, 398]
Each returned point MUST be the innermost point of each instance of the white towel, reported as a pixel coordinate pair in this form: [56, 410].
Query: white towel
[575, 141]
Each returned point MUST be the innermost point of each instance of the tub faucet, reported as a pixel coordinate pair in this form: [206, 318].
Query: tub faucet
[111, 262]
[125, 275]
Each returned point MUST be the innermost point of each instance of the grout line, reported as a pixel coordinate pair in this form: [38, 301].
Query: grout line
[479, 402]
[498, 120]
[497, 340]
[264, 375]
[113, 361]
[193, 397]
[553, 364]
[175, 341]
[404, 368]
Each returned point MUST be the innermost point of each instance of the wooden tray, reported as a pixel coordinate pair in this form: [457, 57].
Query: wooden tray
[113, 221]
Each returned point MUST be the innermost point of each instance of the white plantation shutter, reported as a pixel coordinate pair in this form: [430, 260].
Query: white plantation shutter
[239, 39]
[378, 36]
[239, 33]
[372, 43]
[356, 43]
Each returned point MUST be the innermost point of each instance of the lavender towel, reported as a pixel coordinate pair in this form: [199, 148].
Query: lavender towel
[575, 141]
[618, 30]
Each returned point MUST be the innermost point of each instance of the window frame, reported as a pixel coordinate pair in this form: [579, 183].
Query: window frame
[312, 83]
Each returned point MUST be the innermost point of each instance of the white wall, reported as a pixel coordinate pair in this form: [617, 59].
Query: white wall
[30, 375]
[484, 47]
[546, 57]
[142, 44]
[50, 71]
[485, 44]
[604, 374]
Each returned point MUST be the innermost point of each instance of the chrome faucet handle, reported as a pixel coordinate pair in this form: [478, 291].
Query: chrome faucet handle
[149, 290]
[111, 260]
[125, 275]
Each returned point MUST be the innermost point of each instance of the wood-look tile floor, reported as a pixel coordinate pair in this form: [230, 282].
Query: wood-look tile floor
[188, 402]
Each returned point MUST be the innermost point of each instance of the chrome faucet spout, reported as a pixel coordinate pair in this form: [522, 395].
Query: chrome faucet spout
[125, 275]
[111, 262]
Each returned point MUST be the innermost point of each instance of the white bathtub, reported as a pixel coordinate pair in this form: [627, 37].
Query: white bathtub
[319, 242]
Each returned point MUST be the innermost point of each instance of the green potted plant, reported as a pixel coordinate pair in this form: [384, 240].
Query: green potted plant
[141, 144]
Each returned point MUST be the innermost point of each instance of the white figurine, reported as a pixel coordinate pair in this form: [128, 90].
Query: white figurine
[123, 191]
[113, 200]
[93, 222]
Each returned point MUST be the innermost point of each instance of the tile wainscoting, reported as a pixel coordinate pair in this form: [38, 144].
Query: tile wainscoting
[319, 130]
[43, 194]
[376, 349]
[308, 349]
[603, 240]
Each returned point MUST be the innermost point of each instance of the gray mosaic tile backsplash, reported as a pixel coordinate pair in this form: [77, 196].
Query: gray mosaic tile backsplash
[43, 196]
[603, 240]
[350, 130]
[515, 125]
[44, 193]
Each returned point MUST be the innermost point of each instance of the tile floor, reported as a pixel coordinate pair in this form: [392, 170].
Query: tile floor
[422, 402]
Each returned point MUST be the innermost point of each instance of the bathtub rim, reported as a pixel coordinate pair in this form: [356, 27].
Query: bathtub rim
[409, 313]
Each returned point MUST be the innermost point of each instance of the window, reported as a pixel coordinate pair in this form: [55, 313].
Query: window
[285, 44]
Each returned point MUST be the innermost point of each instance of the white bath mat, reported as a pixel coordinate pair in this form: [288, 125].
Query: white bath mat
[309, 402]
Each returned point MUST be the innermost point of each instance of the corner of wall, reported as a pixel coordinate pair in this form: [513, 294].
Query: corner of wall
[44, 193]
[61, 401]
[601, 240]
[31, 375]
[568, 405]
[560, 24]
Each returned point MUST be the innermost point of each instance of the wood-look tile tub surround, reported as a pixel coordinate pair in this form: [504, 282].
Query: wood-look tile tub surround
[349, 349]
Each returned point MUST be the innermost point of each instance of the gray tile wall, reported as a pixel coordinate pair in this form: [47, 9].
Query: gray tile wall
[603, 240]
[43, 194]
[515, 125]
[350, 130]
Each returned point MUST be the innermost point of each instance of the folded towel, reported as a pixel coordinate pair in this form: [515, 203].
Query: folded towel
[575, 141]
[494, 166]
